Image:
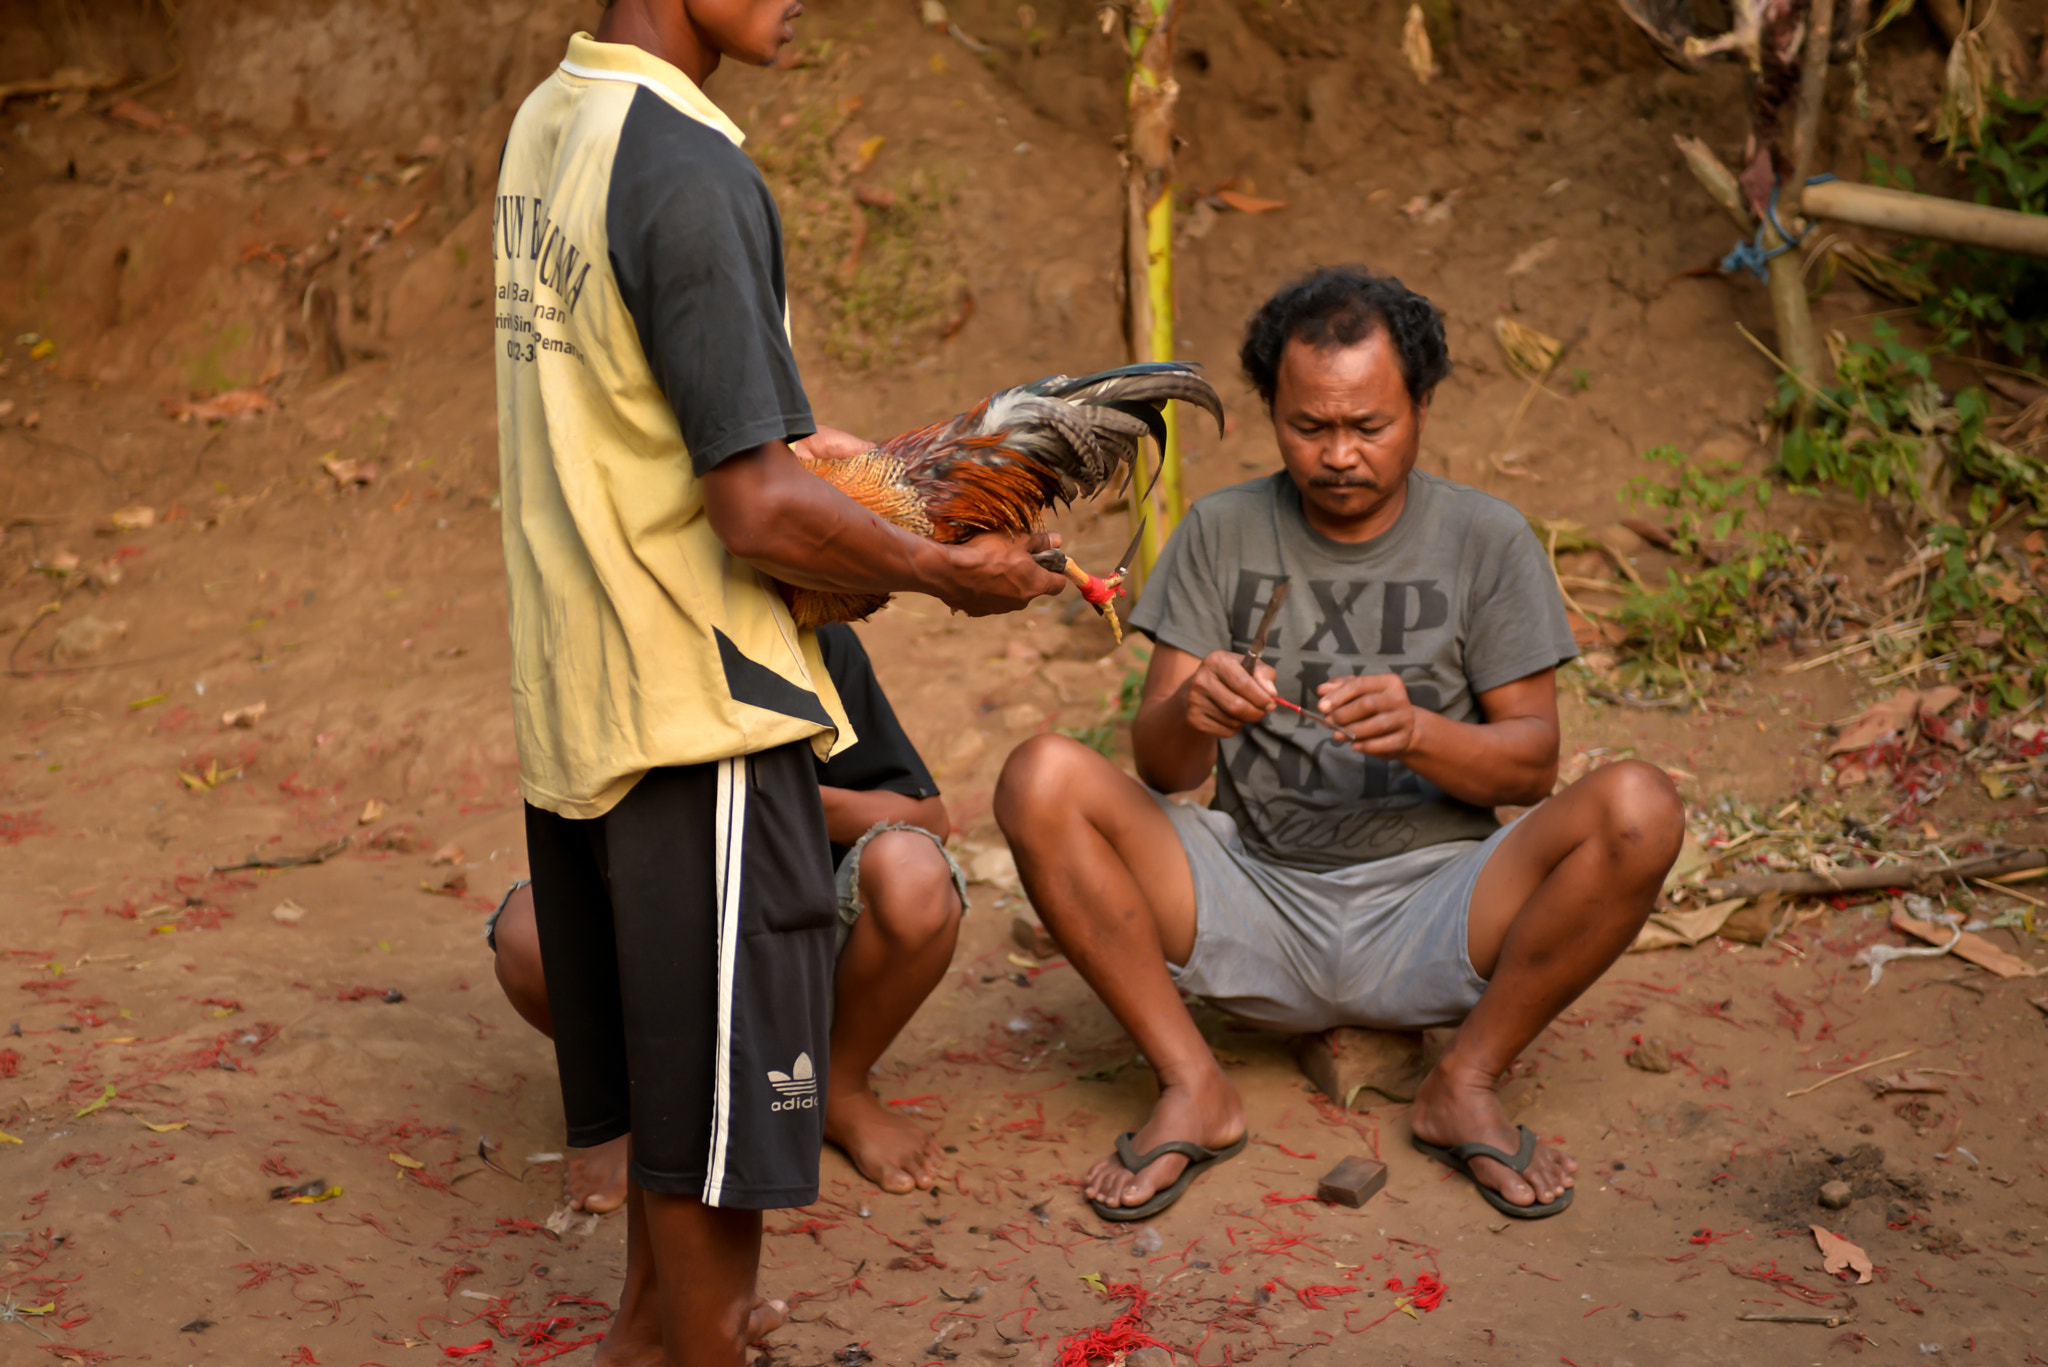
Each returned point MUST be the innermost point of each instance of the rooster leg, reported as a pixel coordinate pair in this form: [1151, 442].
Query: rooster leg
[1100, 594]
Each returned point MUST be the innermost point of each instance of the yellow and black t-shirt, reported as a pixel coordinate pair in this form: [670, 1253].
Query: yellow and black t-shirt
[642, 338]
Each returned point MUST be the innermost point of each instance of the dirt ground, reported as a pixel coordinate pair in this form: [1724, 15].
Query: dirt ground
[188, 1033]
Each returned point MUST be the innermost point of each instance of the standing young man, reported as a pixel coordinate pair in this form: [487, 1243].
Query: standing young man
[667, 710]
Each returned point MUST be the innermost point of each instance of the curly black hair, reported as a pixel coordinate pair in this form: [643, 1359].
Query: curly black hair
[1340, 306]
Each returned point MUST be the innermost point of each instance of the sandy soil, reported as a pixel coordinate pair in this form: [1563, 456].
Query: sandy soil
[186, 1036]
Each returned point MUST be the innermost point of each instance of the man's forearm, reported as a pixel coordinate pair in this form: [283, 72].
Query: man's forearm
[805, 532]
[851, 813]
[1170, 755]
[1510, 762]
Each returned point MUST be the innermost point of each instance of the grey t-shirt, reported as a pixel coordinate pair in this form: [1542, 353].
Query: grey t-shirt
[1457, 597]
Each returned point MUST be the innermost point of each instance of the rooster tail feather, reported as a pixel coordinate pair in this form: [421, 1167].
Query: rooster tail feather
[1151, 383]
[1154, 420]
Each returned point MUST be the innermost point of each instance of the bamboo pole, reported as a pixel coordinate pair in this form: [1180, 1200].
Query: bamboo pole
[1796, 336]
[1149, 97]
[1947, 220]
[1802, 351]
[1813, 94]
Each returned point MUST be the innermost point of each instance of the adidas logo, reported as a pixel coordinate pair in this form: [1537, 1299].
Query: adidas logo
[798, 1086]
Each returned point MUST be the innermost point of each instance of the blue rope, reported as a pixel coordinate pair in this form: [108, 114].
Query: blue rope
[1753, 256]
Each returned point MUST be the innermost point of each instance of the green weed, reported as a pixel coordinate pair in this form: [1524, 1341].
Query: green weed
[1718, 605]
[1971, 296]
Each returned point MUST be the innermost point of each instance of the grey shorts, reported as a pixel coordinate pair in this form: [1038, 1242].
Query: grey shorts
[846, 878]
[1379, 944]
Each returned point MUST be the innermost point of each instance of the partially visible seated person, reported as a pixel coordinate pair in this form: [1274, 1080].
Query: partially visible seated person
[1351, 870]
[900, 900]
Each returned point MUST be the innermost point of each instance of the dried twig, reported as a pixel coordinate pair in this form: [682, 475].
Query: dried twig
[1850, 1072]
[290, 861]
[1876, 876]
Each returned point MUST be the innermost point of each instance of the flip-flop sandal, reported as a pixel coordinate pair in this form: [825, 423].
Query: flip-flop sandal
[1200, 1159]
[1460, 1156]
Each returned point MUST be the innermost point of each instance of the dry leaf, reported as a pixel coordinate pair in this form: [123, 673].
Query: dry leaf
[1971, 947]
[1692, 859]
[141, 115]
[403, 1161]
[1668, 929]
[373, 811]
[869, 149]
[347, 473]
[1528, 351]
[1892, 717]
[448, 854]
[166, 1129]
[236, 403]
[1430, 210]
[1248, 204]
[134, 517]
[1532, 257]
[1839, 1255]
[209, 778]
[1415, 48]
[287, 913]
[244, 717]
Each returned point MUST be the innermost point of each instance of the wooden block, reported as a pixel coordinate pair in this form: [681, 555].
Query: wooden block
[1347, 1062]
[1352, 1182]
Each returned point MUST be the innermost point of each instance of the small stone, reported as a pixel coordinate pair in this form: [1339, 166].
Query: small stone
[1836, 1195]
[1032, 937]
[1148, 1357]
[1653, 1055]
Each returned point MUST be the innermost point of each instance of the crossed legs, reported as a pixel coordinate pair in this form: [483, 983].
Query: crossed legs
[1560, 899]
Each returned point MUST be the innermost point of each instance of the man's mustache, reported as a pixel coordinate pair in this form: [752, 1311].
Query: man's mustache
[1342, 482]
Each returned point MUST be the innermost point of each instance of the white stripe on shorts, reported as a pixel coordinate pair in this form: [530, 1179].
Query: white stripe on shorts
[729, 824]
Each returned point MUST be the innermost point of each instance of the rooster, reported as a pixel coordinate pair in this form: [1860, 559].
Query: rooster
[999, 468]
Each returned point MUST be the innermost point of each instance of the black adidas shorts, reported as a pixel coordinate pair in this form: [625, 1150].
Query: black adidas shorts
[687, 940]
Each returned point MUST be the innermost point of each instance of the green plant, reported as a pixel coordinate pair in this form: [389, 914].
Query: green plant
[1984, 612]
[1877, 431]
[1974, 295]
[1886, 431]
[1717, 605]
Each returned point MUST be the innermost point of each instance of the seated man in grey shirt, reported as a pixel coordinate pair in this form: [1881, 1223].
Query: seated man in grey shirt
[1350, 870]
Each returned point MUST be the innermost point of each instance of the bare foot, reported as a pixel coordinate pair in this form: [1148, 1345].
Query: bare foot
[1205, 1109]
[889, 1150]
[596, 1178]
[1457, 1107]
[629, 1345]
[768, 1316]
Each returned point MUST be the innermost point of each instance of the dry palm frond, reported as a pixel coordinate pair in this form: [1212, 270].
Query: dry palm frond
[1415, 46]
[1965, 91]
[1530, 352]
[1880, 271]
